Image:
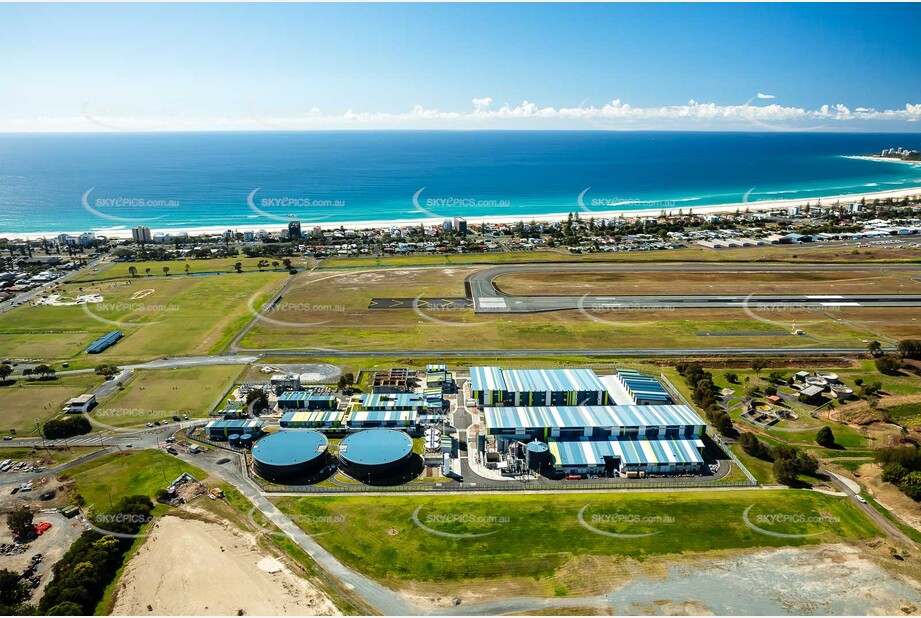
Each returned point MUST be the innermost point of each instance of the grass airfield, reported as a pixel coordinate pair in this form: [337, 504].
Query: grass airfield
[327, 309]
[160, 316]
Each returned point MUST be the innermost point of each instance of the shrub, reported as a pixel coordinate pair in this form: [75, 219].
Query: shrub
[825, 437]
[888, 365]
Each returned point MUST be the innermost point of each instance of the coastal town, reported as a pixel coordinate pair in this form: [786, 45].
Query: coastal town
[460, 309]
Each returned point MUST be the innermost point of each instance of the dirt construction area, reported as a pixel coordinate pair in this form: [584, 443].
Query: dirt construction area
[190, 567]
[52, 545]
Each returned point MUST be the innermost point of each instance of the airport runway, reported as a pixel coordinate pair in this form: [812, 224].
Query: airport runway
[487, 298]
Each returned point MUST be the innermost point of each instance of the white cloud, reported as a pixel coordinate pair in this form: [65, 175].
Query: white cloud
[615, 114]
[761, 95]
[482, 105]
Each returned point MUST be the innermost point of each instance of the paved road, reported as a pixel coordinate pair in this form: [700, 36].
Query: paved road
[488, 298]
[609, 352]
[378, 597]
[880, 520]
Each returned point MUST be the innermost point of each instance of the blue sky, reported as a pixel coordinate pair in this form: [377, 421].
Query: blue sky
[606, 66]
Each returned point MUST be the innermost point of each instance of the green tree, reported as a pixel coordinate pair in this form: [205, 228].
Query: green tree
[894, 473]
[874, 347]
[13, 593]
[777, 377]
[910, 348]
[346, 380]
[825, 437]
[67, 608]
[888, 365]
[5, 372]
[257, 400]
[785, 471]
[43, 371]
[20, 522]
[133, 271]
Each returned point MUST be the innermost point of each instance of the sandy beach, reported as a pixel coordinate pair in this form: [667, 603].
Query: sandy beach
[752, 205]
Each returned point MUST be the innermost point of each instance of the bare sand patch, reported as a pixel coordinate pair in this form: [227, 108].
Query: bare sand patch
[890, 496]
[191, 567]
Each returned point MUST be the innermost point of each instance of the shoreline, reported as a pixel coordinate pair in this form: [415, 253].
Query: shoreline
[882, 159]
[758, 205]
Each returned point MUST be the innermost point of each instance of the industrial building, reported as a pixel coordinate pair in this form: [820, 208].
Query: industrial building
[492, 386]
[105, 342]
[643, 389]
[281, 382]
[306, 400]
[628, 439]
[368, 419]
[325, 420]
[231, 409]
[595, 422]
[223, 429]
[290, 455]
[627, 455]
[376, 454]
[389, 402]
[80, 404]
[438, 376]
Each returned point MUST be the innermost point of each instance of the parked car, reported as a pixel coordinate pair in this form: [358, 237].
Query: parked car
[171, 450]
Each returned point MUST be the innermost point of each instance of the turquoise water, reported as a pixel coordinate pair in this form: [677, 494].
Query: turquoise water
[180, 180]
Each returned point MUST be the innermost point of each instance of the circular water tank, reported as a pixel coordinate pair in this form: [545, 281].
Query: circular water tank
[375, 453]
[234, 440]
[290, 455]
[537, 455]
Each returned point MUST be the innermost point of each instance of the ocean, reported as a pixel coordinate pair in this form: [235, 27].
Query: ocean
[251, 181]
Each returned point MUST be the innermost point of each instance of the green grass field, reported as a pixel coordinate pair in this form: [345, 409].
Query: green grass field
[332, 309]
[534, 536]
[120, 270]
[46, 456]
[127, 473]
[152, 395]
[693, 253]
[165, 316]
[26, 402]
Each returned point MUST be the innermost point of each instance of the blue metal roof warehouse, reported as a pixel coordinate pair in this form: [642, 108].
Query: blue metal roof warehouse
[587, 418]
[643, 388]
[496, 386]
[104, 342]
[651, 455]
